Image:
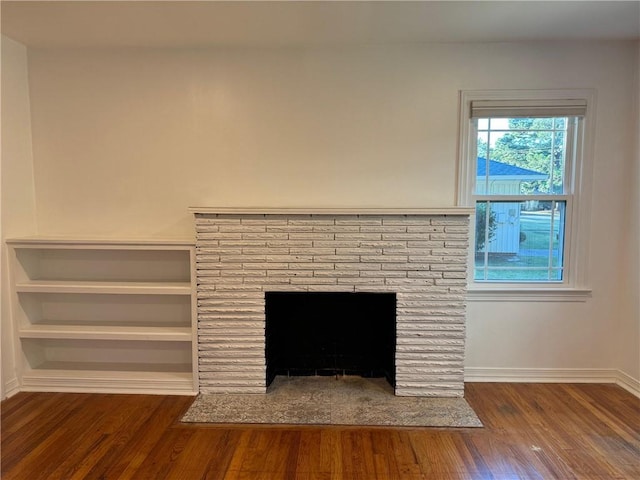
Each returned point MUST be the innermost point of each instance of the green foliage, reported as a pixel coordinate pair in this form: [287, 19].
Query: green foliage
[533, 144]
[481, 225]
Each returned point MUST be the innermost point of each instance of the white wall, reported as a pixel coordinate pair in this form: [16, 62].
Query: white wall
[125, 140]
[17, 188]
[629, 330]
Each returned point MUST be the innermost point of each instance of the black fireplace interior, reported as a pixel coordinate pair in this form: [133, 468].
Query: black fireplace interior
[330, 334]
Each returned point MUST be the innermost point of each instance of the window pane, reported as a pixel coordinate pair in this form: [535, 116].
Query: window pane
[521, 156]
[519, 241]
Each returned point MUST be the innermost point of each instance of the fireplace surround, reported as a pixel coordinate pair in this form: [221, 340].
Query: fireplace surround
[419, 255]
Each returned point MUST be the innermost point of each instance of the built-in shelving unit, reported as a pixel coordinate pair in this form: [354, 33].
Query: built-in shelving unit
[104, 316]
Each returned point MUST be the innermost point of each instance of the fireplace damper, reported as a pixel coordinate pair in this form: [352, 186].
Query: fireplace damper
[323, 333]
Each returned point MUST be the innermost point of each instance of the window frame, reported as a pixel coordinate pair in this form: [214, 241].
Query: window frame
[575, 283]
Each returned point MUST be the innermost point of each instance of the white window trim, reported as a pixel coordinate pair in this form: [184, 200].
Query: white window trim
[576, 286]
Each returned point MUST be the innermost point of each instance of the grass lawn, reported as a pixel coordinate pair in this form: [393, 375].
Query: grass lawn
[533, 261]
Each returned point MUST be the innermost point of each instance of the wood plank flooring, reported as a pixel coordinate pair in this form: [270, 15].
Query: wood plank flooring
[532, 431]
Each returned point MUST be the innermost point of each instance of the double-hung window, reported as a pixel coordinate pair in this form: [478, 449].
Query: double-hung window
[522, 169]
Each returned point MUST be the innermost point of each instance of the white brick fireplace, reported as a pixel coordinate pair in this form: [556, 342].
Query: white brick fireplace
[420, 255]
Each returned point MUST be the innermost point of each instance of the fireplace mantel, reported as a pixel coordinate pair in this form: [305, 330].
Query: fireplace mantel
[330, 211]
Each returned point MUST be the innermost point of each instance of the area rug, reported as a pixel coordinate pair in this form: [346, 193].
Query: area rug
[343, 400]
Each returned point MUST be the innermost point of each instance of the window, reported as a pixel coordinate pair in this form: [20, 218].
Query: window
[522, 162]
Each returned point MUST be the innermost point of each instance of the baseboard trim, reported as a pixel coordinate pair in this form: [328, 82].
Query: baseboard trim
[630, 384]
[88, 384]
[11, 387]
[554, 375]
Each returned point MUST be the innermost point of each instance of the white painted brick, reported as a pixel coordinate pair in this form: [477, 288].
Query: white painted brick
[208, 273]
[204, 266]
[262, 220]
[264, 266]
[404, 220]
[427, 244]
[260, 281]
[424, 229]
[449, 252]
[369, 282]
[449, 267]
[358, 251]
[383, 258]
[429, 311]
[382, 274]
[359, 237]
[243, 273]
[405, 236]
[335, 244]
[451, 281]
[236, 288]
[384, 229]
[219, 236]
[331, 288]
[358, 266]
[258, 371]
[335, 258]
[290, 273]
[405, 266]
[431, 301]
[315, 236]
[313, 251]
[313, 281]
[384, 244]
[460, 274]
[373, 289]
[286, 288]
[206, 389]
[356, 220]
[230, 308]
[424, 274]
[289, 258]
[290, 243]
[232, 362]
[242, 228]
[317, 221]
[449, 221]
[416, 282]
[427, 361]
[448, 236]
[264, 251]
[243, 243]
[311, 266]
[264, 236]
[335, 273]
[337, 228]
[217, 221]
[455, 244]
[207, 228]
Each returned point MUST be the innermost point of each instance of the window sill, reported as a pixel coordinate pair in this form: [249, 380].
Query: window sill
[497, 293]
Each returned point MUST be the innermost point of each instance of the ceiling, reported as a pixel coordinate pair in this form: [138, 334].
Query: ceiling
[79, 24]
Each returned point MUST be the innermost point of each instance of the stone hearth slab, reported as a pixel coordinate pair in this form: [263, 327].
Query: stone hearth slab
[329, 401]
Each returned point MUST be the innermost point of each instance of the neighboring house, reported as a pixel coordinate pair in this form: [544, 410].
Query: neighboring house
[504, 179]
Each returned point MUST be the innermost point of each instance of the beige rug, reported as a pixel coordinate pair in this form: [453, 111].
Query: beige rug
[330, 401]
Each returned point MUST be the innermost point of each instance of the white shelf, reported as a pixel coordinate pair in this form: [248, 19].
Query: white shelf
[109, 378]
[102, 332]
[104, 315]
[92, 243]
[134, 288]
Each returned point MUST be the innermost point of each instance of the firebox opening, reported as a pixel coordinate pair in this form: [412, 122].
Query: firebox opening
[323, 333]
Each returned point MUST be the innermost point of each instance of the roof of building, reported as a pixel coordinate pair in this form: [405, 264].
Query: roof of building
[499, 169]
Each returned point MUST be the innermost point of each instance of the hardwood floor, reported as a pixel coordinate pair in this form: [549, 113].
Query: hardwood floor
[532, 431]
